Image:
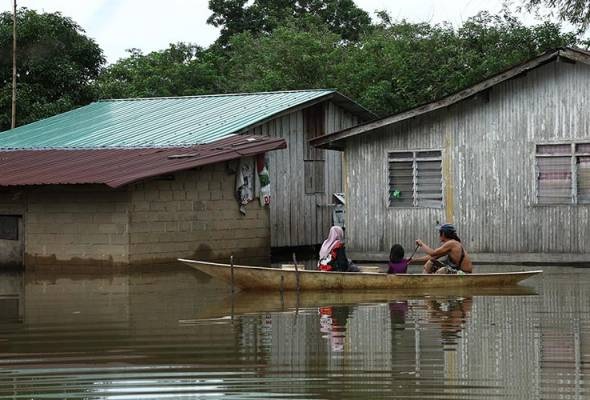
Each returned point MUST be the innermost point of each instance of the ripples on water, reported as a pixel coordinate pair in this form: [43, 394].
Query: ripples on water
[176, 334]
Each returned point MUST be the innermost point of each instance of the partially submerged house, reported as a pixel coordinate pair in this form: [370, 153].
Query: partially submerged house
[150, 180]
[506, 160]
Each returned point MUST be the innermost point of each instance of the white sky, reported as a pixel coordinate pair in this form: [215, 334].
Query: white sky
[149, 25]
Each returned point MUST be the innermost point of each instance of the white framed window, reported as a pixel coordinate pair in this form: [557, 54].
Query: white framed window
[563, 173]
[415, 179]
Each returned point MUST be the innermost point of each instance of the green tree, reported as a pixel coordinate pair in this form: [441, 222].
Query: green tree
[575, 11]
[342, 17]
[56, 64]
[396, 66]
[294, 56]
[402, 65]
[182, 69]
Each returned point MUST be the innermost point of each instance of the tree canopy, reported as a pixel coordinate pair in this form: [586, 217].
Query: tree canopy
[180, 70]
[396, 66]
[575, 11]
[342, 17]
[56, 65]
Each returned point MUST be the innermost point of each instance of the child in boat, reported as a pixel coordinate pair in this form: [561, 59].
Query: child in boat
[397, 263]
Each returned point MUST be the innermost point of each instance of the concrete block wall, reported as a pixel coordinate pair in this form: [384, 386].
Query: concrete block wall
[74, 224]
[196, 215]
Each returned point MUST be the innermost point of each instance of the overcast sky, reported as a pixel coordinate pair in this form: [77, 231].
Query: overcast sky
[149, 25]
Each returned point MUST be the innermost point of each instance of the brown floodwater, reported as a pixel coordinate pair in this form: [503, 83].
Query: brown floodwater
[174, 333]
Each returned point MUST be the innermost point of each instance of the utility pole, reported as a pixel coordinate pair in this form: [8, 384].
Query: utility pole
[13, 124]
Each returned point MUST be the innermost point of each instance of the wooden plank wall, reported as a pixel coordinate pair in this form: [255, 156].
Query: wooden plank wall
[297, 218]
[488, 145]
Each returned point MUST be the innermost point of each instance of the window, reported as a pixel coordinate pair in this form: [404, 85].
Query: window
[415, 179]
[314, 162]
[8, 227]
[563, 173]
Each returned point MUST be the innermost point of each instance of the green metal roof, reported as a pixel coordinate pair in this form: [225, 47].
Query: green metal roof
[158, 122]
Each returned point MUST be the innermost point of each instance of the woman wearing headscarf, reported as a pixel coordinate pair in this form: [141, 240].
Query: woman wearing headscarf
[333, 253]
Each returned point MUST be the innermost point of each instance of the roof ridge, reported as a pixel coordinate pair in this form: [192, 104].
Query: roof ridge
[196, 96]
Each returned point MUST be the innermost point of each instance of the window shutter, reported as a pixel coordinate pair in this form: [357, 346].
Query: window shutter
[415, 179]
[583, 163]
[554, 180]
[428, 183]
[401, 183]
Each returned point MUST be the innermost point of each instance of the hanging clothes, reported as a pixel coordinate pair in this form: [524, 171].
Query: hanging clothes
[263, 181]
[245, 183]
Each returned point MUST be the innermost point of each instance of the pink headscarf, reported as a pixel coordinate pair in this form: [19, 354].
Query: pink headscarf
[336, 233]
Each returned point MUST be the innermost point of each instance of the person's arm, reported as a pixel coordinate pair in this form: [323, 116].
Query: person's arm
[420, 259]
[434, 253]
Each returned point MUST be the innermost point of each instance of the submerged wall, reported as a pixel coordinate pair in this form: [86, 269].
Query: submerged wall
[74, 224]
[196, 215]
[191, 214]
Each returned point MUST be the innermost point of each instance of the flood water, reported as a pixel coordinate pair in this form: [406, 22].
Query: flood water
[173, 333]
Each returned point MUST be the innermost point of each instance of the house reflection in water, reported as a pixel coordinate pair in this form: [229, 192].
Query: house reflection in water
[456, 340]
[438, 346]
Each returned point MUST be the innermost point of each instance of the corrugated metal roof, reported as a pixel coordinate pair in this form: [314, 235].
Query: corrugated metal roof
[119, 167]
[157, 122]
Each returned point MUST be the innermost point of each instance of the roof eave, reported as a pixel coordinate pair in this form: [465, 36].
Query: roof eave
[229, 155]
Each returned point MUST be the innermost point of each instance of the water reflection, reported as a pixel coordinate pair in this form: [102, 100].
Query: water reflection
[175, 333]
[11, 297]
[333, 322]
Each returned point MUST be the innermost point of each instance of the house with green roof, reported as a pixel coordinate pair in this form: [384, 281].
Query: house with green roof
[149, 180]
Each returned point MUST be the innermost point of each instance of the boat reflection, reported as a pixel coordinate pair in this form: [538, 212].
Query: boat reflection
[260, 302]
[347, 324]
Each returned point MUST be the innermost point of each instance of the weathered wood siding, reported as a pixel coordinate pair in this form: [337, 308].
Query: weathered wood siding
[297, 218]
[488, 149]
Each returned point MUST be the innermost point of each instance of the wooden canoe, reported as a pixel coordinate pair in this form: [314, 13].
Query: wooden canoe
[264, 278]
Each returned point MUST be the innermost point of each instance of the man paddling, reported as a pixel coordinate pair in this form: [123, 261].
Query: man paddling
[457, 261]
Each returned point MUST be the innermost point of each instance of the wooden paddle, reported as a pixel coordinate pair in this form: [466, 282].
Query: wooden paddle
[413, 254]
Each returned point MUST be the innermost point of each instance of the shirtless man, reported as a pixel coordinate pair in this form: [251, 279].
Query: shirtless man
[457, 260]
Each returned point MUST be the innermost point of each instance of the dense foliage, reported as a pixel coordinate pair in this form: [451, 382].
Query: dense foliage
[342, 17]
[387, 66]
[56, 66]
[394, 67]
[182, 69]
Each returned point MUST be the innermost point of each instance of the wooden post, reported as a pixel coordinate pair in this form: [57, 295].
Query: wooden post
[13, 123]
[296, 271]
[231, 259]
[282, 287]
